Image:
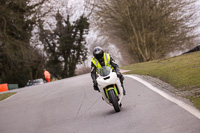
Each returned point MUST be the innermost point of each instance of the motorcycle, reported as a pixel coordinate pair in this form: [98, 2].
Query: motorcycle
[110, 87]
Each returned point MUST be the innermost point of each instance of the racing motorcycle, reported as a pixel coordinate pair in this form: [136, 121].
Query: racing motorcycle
[110, 87]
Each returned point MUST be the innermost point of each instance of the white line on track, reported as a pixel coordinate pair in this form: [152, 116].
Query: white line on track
[180, 103]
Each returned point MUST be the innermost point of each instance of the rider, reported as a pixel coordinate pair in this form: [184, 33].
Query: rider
[103, 59]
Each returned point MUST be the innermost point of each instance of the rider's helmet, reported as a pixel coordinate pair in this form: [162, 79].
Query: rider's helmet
[44, 69]
[98, 53]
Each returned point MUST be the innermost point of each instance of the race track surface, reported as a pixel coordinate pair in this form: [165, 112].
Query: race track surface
[72, 106]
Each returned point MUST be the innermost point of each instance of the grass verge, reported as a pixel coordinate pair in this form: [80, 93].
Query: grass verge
[6, 95]
[182, 72]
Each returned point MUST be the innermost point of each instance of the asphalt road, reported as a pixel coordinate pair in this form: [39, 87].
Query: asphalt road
[71, 106]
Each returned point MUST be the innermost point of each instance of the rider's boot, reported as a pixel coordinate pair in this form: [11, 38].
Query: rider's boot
[124, 92]
[120, 104]
[102, 98]
[121, 80]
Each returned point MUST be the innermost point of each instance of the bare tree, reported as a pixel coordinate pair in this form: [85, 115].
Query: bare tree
[146, 29]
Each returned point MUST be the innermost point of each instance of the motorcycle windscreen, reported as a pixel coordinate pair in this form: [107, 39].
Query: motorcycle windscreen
[104, 71]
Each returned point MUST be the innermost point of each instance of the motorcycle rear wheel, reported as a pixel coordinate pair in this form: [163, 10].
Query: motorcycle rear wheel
[114, 101]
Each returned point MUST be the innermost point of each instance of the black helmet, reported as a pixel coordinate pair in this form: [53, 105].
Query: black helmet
[98, 53]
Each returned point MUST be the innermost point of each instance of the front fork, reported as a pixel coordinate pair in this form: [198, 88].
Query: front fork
[111, 88]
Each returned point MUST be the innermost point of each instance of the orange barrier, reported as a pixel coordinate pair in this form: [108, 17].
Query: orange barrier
[3, 87]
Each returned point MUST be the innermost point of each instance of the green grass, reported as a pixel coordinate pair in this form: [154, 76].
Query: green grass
[6, 95]
[196, 102]
[182, 72]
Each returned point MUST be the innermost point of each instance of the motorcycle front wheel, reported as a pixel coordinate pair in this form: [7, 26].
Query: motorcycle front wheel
[114, 101]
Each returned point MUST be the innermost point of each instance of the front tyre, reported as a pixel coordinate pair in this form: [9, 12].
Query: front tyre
[114, 101]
